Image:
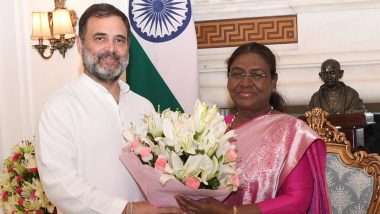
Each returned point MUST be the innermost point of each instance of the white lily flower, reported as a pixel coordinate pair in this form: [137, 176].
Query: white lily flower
[187, 144]
[163, 150]
[192, 166]
[218, 126]
[30, 161]
[209, 168]
[154, 124]
[203, 115]
[138, 149]
[133, 133]
[168, 129]
[168, 169]
[222, 149]
[128, 137]
[166, 177]
[210, 114]
[227, 169]
[208, 143]
[176, 162]
[228, 135]
[171, 115]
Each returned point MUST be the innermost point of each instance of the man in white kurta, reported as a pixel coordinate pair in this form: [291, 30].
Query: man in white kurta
[80, 135]
[81, 125]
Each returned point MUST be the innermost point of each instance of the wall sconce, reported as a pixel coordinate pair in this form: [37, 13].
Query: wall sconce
[58, 27]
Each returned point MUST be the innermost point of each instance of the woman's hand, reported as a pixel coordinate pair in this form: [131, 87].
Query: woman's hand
[202, 206]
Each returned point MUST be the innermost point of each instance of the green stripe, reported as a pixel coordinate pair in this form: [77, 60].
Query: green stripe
[144, 79]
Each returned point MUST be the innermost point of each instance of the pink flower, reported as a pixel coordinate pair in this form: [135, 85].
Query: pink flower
[19, 190]
[192, 182]
[32, 170]
[21, 201]
[235, 180]
[4, 196]
[10, 169]
[19, 178]
[145, 151]
[231, 155]
[160, 163]
[135, 143]
[33, 195]
[39, 212]
[16, 156]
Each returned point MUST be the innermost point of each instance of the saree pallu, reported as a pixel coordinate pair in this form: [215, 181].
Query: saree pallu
[270, 147]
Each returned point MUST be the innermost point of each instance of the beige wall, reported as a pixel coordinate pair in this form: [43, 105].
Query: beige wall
[10, 102]
[26, 80]
[347, 30]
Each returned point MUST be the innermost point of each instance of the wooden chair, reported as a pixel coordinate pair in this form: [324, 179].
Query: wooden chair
[352, 178]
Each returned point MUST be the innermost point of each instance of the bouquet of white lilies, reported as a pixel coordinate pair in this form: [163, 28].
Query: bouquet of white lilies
[192, 152]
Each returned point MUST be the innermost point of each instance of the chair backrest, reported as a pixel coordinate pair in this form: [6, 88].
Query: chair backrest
[352, 178]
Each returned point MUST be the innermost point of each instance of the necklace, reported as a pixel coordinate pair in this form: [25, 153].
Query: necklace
[270, 110]
[237, 113]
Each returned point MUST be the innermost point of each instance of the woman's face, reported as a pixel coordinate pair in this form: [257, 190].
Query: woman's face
[250, 83]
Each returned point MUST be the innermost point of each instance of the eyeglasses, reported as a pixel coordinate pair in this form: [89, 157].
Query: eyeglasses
[330, 73]
[237, 76]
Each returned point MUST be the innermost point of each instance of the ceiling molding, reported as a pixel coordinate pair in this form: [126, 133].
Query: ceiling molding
[313, 6]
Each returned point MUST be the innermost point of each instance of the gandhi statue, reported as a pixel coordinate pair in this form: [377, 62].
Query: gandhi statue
[334, 96]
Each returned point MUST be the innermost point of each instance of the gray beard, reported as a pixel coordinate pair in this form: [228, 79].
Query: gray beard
[91, 62]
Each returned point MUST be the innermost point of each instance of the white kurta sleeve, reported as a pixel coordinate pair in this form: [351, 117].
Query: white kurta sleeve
[58, 168]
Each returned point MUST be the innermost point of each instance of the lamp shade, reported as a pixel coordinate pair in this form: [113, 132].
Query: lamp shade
[40, 25]
[62, 24]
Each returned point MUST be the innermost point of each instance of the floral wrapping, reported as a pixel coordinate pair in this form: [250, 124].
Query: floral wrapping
[157, 194]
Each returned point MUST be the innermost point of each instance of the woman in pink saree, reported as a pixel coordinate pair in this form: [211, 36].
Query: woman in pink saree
[282, 159]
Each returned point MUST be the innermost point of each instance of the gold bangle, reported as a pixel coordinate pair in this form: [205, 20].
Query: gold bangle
[234, 210]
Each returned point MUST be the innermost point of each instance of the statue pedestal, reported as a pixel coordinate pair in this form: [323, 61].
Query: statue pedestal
[353, 126]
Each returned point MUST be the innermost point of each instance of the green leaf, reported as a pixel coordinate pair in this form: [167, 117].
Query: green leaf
[214, 183]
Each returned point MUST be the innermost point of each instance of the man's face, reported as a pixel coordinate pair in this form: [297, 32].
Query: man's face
[330, 73]
[105, 48]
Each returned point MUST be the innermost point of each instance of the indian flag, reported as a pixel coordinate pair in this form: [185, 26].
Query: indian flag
[163, 53]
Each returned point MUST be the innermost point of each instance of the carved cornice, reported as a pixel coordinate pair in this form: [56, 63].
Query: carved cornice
[313, 6]
[234, 32]
[202, 9]
[228, 9]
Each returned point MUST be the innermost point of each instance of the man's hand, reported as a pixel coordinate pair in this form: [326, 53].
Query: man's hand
[144, 207]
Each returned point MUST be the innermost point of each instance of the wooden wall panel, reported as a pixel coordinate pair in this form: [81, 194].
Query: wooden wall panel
[234, 32]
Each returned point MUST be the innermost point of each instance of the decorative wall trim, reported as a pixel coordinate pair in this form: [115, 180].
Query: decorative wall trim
[234, 32]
